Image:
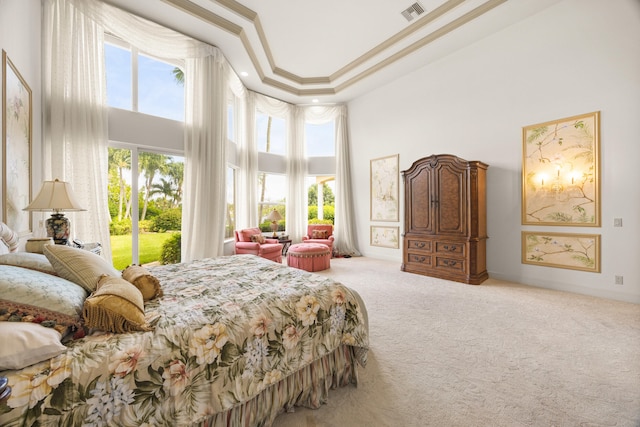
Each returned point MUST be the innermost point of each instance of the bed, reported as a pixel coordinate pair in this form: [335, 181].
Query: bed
[233, 341]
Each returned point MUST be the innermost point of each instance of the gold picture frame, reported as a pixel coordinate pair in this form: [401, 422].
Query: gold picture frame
[385, 237]
[562, 250]
[16, 148]
[385, 189]
[560, 172]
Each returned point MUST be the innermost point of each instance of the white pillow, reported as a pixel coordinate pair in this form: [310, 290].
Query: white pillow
[26, 343]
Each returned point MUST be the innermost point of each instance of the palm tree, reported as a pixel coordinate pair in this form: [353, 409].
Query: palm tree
[120, 159]
[150, 164]
[175, 171]
[168, 191]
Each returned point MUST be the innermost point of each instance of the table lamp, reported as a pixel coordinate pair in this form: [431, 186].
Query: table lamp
[274, 216]
[56, 196]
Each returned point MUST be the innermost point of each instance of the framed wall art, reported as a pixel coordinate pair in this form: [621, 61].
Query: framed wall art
[560, 172]
[386, 237]
[16, 148]
[562, 250]
[385, 176]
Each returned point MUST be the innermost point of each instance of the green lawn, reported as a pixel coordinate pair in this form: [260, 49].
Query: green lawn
[150, 247]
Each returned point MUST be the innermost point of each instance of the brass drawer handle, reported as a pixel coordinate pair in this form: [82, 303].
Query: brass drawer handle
[419, 258]
[449, 263]
[419, 245]
[451, 248]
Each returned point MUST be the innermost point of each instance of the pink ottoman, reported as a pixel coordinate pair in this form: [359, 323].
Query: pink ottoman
[309, 256]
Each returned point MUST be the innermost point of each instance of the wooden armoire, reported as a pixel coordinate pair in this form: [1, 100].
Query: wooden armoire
[445, 225]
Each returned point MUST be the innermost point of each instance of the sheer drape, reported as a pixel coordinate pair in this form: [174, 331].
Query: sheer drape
[75, 136]
[248, 173]
[203, 212]
[345, 226]
[78, 82]
[297, 193]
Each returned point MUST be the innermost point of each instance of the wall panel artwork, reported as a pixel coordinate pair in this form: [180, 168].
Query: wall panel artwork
[560, 172]
[385, 177]
[562, 250]
[16, 148]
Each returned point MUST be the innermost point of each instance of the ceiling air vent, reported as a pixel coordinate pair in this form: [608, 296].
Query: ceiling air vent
[412, 11]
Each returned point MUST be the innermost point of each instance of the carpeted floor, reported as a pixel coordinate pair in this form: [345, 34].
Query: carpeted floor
[499, 354]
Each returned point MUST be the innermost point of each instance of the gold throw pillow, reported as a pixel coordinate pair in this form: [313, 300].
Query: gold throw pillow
[142, 279]
[116, 306]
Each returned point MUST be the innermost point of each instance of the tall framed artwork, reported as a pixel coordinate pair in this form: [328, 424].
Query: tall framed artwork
[560, 172]
[562, 250]
[16, 148]
[385, 192]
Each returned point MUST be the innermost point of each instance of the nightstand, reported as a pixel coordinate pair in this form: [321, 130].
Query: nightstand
[285, 245]
[94, 247]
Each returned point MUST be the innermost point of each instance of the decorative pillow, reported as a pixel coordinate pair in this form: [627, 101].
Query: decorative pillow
[116, 306]
[246, 234]
[142, 279]
[319, 234]
[79, 266]
[24, 344]
[33, 296]
[258, 238]
[28, 260]
[9, 237]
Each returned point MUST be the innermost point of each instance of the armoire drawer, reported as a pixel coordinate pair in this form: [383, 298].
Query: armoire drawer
[419, 259]
[452, 264]
[451, 248]
[419, 245]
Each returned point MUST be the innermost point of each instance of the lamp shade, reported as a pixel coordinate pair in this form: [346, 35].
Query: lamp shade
[274, 215]
[55, 196]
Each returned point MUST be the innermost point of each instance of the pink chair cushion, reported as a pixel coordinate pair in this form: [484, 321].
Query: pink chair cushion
[245, 235]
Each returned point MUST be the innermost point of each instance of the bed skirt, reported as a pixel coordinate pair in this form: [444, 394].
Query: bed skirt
[308, 387]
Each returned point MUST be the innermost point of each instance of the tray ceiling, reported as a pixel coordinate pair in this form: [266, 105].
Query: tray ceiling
[332, 50]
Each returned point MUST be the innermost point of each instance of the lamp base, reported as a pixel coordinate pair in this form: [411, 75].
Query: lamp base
[274, 228]
[58, 227]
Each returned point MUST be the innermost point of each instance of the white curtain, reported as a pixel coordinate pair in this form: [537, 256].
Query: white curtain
[75, 136]
[345, 226]
[78, 131]
[247, 203]
[344, 222]
[297, 194]
[204, 207]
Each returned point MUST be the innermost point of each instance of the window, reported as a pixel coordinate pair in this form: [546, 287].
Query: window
[321, 191]
[272, 190]
[156, 196]
[156, 88]
[271, 134]
[230, 222]
[320, 139]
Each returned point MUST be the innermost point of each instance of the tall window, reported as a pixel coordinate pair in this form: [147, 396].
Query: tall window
[271, 134]
[272, 190]
[230, 222]
[320, 139]
[146, 211]
[138, 82]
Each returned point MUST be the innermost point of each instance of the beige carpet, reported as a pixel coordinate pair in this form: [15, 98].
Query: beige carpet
[498, 354]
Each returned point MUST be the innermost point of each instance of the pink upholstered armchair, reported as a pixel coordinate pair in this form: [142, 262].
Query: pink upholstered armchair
[319, 233]
[251, 241]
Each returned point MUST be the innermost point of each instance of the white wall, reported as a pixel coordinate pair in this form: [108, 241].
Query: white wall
[576, 57]
[20, 34]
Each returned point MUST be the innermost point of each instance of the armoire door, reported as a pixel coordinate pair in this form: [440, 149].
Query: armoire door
[419, 204]
[450, 208]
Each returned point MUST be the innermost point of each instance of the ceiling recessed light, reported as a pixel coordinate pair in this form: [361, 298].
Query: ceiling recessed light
[244, 73]
[315, 100]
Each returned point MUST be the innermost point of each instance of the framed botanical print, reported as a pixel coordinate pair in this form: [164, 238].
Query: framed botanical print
[562, 250]
[16, 148]
[560, 172]
[385, 177]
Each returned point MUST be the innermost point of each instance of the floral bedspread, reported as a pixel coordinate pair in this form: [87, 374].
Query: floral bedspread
[225, 329]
